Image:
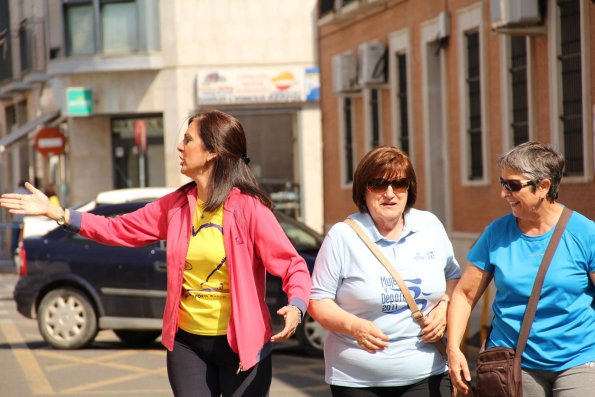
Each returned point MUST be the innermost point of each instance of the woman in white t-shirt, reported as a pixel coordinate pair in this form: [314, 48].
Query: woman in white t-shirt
[374, 347]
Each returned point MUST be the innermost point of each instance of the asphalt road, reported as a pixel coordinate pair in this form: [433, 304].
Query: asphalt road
[29, 367]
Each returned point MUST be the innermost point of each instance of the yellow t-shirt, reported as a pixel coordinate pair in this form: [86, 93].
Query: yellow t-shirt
[205, 307]
[54, 200]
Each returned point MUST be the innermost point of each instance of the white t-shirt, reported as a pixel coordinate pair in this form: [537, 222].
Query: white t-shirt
[349, 273]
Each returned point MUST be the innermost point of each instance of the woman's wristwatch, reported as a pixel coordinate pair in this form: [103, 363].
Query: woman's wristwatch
[62, 220]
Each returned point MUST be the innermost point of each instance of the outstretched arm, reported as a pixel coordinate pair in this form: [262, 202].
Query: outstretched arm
[35, 203]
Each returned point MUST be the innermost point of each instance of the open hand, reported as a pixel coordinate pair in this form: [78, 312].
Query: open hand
[35, 203]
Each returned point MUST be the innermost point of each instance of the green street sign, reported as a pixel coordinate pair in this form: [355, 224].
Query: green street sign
[79, 101]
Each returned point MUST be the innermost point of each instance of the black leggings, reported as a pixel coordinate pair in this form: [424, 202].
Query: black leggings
[206, 366]
[434, 386]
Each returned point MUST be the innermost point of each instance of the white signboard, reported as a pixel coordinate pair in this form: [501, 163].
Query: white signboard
[251, 85]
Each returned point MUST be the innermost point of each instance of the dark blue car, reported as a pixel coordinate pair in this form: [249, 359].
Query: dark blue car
[74, 286]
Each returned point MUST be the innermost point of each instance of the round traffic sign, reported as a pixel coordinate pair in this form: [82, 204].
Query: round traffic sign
[50, 141]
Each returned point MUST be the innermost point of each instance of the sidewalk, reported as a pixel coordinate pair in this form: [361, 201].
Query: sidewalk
[7, 266]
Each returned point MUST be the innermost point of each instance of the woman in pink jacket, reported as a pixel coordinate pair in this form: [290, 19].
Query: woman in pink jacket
[222, 238]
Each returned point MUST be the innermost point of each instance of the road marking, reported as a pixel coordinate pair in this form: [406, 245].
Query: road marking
[99, 360]
[111, 382]
[36, 379]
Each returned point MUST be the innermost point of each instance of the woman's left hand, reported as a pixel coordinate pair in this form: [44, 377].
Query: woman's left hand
[292, 319]
[434, 325]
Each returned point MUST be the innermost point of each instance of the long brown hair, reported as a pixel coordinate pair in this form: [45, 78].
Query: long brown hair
[223, 134]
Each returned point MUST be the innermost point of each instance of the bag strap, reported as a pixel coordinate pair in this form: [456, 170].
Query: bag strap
[415, 312]
[537, 286]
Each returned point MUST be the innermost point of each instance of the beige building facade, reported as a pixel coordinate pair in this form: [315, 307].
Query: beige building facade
[121, 78]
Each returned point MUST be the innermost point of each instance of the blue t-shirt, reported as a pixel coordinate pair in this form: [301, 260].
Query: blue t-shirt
[347, 272]
[563, 333]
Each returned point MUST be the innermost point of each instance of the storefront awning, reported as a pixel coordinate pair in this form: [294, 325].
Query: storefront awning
[26, 128]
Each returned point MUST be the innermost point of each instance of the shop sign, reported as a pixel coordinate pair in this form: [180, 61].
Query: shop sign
[251, 85]
[312, 84]
[79, 101]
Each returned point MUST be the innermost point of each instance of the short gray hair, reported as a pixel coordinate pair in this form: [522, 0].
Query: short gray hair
[538, 161]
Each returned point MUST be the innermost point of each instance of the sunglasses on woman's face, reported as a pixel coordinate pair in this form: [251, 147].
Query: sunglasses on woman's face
[514, 185]
[379, 185]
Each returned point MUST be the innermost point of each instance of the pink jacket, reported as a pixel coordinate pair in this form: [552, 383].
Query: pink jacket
[254, 243]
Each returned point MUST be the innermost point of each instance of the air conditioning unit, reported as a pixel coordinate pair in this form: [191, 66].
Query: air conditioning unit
[372, 63]
[344, 72]
[514, 13]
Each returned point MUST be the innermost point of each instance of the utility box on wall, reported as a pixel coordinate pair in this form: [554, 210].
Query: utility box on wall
[514, 13]
[372, 63]
[344, 72]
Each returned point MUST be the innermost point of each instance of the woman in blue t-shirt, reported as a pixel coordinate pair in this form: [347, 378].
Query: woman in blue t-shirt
[559, 358]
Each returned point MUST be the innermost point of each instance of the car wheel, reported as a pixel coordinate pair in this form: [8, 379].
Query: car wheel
[66, 319]
[137, 338]
[311, 336]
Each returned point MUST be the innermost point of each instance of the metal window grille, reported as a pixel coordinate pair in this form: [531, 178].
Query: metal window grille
[474, 133]
[518, 80]
[348, 139]
[571, 79]
[402, 100]
[375, 118]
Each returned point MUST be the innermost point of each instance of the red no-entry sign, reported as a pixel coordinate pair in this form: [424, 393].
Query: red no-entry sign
[50, 141]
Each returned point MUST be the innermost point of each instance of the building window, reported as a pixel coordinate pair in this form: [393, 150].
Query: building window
[16, 115]
[519, 123]
[25, 46]
[5, 42]
[80, 29]
[137, 163]
[474, 121]
[119, 27]
[375, 134]
[343, 3]
[570, 69]
[111, 26]
[347, 139]
[402, 102]
[325, 7]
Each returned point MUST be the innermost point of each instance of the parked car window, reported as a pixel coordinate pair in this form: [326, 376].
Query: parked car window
[300, 238]
[78, 237]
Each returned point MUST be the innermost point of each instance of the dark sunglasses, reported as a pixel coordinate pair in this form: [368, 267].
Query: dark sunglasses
[380, 185]
[514, 185]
